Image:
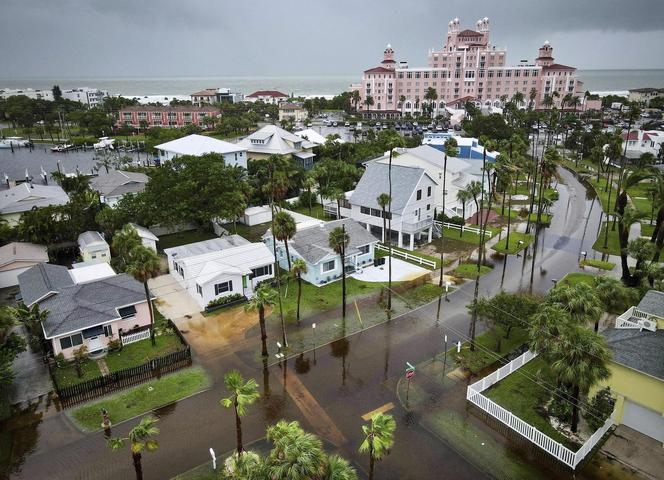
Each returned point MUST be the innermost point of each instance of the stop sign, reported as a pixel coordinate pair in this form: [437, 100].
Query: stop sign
[410, 374]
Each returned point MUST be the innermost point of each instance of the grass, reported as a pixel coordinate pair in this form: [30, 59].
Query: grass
[142, 351]
[183, 238]
[597, 264]
[613, 245]
[478, 446]
[316, 211]
[574, 278]
[253, 234]
[522, 396]
[545, 218]
[486, 352]
[66, 376]
[469, 270]
[604, 195]
[382, 253]
[141, 399]
[467, 237]
[514, 247]
[647, 230]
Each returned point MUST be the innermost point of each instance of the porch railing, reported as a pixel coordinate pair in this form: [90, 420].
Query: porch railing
[408, 256]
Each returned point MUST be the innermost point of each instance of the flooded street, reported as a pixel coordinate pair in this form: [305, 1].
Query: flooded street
[328, 389]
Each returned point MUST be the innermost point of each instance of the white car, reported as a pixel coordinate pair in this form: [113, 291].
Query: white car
[347, 124]
[359, 124]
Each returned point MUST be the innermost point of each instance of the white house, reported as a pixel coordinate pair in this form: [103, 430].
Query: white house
[266, 96]
[314, 137]
[148, 239]
[413, 203]
[432, 161]
[114, 185]
[26, 196]
[93, 248]
[16, 258]
[273, 140]
[199, 145]
[220, 267]
[644, 141]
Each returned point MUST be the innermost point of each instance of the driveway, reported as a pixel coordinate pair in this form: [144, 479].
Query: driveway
[173, 301]
[401, 271]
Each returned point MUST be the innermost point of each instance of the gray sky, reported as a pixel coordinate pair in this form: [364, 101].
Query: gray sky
[187, 38]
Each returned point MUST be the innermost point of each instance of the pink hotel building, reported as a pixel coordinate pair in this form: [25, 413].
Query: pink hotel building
[467, 68]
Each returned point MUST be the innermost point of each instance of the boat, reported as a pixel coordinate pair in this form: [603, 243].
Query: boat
[104, 142]
[62, 147]
[9, 142]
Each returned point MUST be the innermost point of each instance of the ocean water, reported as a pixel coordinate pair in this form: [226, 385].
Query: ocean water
[594, 80]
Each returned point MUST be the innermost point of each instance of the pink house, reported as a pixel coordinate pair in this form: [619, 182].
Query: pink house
[88, 306]
[466, 67]
[166, 116]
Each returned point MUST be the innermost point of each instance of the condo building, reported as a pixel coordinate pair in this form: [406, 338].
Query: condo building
[466, 68]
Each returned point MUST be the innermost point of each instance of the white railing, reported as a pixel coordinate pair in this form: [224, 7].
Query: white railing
[135, 337]
[463, 228]
[625, 320]
[546, 443]
[408, 256]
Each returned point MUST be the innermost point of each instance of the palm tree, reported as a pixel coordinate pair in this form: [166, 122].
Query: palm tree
[431, 96]
[546, 326]
[383, 201]
[610, 291]
[369, 101]
[517, 98]
[338, 241]
[580, 301]
[378, 438]
[475, 189]
[264, 296]
[140, 438]
[284, 230]
[402, 101]
[340, 469]
[299, 268]
[579, 360]
[124, 242]
[308, 184]
[463, 196]
[532, 96]
[625, 221]
[144, 265]
[243, 394]
[355, 97]
[296, 454]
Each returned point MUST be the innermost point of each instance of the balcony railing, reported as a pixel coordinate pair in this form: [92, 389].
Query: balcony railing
[414, 227]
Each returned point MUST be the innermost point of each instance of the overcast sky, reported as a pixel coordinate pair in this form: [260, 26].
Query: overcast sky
[184, 38]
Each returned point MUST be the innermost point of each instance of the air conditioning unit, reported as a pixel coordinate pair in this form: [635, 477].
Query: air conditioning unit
[649, 325]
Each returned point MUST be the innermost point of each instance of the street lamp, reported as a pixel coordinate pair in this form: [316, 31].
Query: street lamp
[447, 289]
[585, 254]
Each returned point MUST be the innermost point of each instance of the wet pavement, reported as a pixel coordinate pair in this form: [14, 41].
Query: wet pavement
[328, 389]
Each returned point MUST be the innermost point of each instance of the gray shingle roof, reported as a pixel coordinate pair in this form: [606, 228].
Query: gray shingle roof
[88, 304]
[652, 303]
[24, 197]
[41, 280]
[313, 243]
[375, 181]
[640, 350]
[206, 246]
[117, 183]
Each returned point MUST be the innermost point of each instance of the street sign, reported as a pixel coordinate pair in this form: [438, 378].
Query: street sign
[410, 374]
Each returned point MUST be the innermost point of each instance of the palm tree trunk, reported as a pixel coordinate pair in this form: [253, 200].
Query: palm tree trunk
[299, 296]
[261, 321]
[138, 467]
[372, 461]
[287, 253]
[384, 225]
[343, 282]
[238, 429]
[575, 408]
[150, 307]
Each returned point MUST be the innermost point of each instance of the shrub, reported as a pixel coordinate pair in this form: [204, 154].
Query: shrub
[601, 407]
[60, 360]
[306, 197]
[457, 220]
[225, 300]
[114, 345]
[560, 406]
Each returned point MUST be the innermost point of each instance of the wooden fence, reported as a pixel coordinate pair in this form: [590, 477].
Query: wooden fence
[128, 377]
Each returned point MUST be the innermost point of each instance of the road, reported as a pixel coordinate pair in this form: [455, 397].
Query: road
[328, 390]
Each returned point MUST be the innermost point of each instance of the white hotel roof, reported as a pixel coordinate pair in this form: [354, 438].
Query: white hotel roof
[198, 145]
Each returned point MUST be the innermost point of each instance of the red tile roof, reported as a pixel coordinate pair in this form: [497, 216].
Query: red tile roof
[558, 66]
[469, 33]
[379, 70]
[267, 93]
[633, 135]
[462, 99]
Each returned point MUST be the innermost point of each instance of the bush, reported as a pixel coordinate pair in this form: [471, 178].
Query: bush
[601, 407]
[60, 360]
[114, 345]
[225, 300]
[560, 406]
[306, 197]
[456, 220]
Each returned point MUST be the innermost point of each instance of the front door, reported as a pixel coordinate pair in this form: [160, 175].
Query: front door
[94, 344]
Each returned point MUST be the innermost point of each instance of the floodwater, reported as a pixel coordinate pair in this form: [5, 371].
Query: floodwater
[329, 388]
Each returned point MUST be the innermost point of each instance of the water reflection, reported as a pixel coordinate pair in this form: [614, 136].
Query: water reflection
[19, 436]
[339, 349]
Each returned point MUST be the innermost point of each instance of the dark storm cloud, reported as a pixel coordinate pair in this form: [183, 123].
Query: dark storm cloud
[300, 37]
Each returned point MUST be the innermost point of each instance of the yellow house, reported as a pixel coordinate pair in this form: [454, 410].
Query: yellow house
[637, 369]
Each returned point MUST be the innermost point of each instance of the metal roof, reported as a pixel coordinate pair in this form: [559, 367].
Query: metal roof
[198, 145]
[206, 246]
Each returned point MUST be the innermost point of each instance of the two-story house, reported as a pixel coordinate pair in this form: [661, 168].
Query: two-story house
[412, 208]
[273, 140]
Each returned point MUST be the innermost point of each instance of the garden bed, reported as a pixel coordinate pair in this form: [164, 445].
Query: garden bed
[469, 270]
[515, 246]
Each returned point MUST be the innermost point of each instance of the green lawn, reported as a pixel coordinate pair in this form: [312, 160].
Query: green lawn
[141, 352]
[183, 238]
[316, 211]
[253, 234]
[613, 245]
[647, 230]
[141, 399]
[604, 195]
[515, 247]
[469, 270]
[522, 396]
[488, 353]
[574, 278]
[67, 376]
[597, 264]
[545, 218]
[467, 237]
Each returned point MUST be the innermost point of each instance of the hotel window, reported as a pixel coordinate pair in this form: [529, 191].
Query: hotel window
[534, 73]
[223, 287]
[426, 74]
[328, 266]
[517, 73]
[417, 74]
[508, 73]
[400, 74]
[526, 73]
[490, 73]
[499, 73]
[434, 74]
[409, 74]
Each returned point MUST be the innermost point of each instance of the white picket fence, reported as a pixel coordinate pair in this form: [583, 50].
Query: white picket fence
[546, 443]
[408, 256]
[463, 228]
[135, 337]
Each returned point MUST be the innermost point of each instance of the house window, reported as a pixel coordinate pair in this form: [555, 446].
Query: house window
[126, 312]
[71, 341]
[428, 206]
[108, 330]
[364, 249]
[428, 191]
[328, 266]
[223, 287]
[94, 255]
[419, 194]
[199, 290]
[261, 271]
